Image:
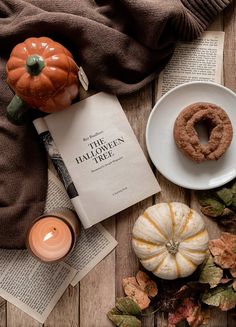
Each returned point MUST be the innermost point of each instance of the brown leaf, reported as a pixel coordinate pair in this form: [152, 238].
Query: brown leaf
[191, 289]
[146, 284]
[199, 317]
[227, 220]
[190, 311]
[225, 280]
[224, 252]
[234, 285]
[140, 289]
[133, 290]
[233, 271]
[183, 311]
[170, 302]
[210, 205]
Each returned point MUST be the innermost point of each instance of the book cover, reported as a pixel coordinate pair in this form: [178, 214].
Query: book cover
[105, 164]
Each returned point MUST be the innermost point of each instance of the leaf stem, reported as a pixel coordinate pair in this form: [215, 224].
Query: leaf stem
[151, 313]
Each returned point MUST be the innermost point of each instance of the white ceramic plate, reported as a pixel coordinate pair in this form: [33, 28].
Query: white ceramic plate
[161, 145]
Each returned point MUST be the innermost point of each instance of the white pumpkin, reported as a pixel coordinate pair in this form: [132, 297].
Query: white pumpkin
[170, 239]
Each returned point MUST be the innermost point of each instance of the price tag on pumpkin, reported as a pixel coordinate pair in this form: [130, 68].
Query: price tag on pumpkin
[83, 78]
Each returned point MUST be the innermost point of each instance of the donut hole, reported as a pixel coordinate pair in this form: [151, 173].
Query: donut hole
[203, 129]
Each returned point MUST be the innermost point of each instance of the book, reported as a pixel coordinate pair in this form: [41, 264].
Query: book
[198, 60]
[98, 157]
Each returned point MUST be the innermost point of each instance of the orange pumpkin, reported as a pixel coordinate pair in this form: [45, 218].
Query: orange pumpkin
[43, 74]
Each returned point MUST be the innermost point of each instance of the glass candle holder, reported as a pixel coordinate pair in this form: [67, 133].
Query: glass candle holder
[52, 236]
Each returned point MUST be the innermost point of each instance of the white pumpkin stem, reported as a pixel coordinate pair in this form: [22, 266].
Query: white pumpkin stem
[172, 247]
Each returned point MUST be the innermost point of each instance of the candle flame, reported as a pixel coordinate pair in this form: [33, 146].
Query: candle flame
[48, 236]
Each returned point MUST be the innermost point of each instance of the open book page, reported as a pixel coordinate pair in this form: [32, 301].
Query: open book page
[36, 287]
[199, 60]
[32, 286]
[93, 244]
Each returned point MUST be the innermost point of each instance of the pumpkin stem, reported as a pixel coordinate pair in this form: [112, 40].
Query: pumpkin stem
[172, 247]
[34, 65]
[16, 111]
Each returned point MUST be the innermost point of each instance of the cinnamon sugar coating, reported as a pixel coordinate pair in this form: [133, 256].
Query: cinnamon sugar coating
[219, 126]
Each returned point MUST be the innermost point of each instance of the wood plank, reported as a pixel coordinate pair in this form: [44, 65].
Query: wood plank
[229, 22]
[230, 47]
[97, 289]
[66, 312]
[137, 108]
[231, 321]
[171, 192]
[3, 313]
[17, 318]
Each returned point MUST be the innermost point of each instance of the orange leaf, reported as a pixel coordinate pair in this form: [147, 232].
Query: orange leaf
[224, 252]
[146, 284]
[140, 288]
[133, 290]
[198, 317]
[190, 311]
[183, 311]
[234, 285]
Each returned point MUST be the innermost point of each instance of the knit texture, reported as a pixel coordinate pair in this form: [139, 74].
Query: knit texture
[121, 44]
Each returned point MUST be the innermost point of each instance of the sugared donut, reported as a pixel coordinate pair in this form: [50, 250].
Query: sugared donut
[220, 131]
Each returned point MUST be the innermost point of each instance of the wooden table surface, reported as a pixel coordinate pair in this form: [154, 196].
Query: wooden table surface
[86, 304]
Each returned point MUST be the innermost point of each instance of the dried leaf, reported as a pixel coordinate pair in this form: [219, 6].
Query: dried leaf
[192, 312]
[124, 320]
[222, 296]
[225, 196]
[125, 312]
[213, 209]
[227, 213]
[146, 284]
[140, 289]
[228, 220]
[183, 311]
[233, 271]
[199, 317]
[225, 280]
[128, 306]
[204, 197]
[233, 188]
[133, 290]
[234, 285]
[224, 252]
[170, 302]
[210, 273]
[191, 289]
[214, 201]
[233, 204]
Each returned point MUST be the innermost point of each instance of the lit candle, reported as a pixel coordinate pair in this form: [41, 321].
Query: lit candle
[52, 236]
